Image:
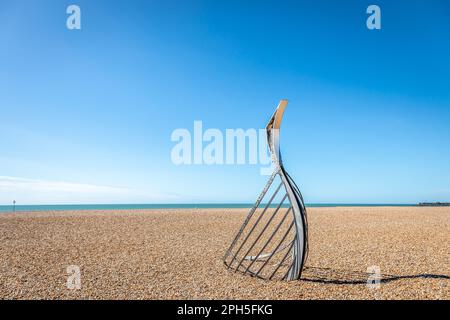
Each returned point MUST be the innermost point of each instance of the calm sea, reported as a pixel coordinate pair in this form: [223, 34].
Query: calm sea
[66, 207]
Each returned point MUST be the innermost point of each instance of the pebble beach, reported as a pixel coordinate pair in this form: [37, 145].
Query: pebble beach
[177, 254]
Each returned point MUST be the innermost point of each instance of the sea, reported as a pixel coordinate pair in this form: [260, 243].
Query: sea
[77, 207]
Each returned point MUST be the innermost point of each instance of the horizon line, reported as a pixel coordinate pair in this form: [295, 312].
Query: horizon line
[200, 203]
[154, 206]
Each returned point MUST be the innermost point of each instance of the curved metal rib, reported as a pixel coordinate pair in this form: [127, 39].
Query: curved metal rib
[253, 249]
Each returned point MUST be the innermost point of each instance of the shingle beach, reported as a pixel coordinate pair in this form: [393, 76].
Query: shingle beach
[177, 254]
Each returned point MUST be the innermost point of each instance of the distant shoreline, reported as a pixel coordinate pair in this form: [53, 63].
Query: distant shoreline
[434, 204]
[76, 207]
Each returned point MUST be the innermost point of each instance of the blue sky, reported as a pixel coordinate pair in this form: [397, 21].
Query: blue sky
[87, 115]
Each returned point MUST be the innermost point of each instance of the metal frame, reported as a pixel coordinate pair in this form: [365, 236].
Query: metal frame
[239, 259]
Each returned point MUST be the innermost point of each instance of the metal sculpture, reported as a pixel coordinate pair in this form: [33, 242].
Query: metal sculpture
[272, 243]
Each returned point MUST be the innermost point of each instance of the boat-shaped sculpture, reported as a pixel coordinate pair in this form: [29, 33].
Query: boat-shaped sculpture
[272, 242]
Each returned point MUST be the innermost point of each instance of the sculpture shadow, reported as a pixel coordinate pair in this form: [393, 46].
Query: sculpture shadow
[332, 276]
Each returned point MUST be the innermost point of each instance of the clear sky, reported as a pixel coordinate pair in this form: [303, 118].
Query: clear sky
[87, 115]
